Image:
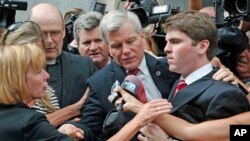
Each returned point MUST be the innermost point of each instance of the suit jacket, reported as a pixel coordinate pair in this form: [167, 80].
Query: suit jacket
[207, 99]
[21, 123]
[75, 70]
[97, 106]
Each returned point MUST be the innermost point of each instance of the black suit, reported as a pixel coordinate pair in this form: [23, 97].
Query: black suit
[20, 123]
[207, 99]
[71, 73]
[98, 106]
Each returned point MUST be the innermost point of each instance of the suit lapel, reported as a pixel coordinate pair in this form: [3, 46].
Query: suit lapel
[116, 72]
[191, 91]
[160, 74]
[67, 65]
[171, 94]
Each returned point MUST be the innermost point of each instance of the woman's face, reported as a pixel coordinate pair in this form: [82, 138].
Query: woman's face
[37, 82]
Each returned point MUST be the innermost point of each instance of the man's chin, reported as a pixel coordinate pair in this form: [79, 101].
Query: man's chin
[49, 58]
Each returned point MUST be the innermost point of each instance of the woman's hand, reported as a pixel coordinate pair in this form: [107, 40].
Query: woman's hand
[153, 132]
[152, 110]
[72, 131]
[130, 102]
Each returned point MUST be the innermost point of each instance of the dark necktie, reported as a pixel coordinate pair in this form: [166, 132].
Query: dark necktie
[182, 84]
[141, 94]
[134, 71]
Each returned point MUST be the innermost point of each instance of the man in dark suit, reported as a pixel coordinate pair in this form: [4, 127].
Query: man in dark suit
[68, 72]
[88, 38]
[196, 97]
[191, 42]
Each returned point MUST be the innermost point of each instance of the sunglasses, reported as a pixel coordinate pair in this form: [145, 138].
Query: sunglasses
[13, 27]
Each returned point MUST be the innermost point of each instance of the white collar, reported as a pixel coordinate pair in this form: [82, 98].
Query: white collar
[199, 73]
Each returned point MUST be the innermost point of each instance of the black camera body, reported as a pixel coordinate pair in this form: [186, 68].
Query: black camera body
[231, 40]
[8, 11]
[238, 8]
[150, 12]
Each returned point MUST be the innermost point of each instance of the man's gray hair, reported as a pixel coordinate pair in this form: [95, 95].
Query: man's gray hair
[88, 21]
[115, 19]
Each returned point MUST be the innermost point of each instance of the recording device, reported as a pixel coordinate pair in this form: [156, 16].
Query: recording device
[231, 40]
[114, 120]
[238, 8]
[97, 6]
[149, 11]
[8, 11]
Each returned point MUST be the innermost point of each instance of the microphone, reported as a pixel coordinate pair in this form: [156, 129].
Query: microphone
[114, 120]
[130, 84]
[134, 86]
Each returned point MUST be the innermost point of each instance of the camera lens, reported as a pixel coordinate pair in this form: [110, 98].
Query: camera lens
[241, 6]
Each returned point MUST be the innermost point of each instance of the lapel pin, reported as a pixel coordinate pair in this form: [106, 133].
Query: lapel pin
[158, 73]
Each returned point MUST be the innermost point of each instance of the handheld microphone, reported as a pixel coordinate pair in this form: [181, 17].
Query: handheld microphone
[114, 120]
[130, 84]
[134, 86]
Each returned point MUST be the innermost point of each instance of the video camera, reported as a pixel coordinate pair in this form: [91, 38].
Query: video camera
[149, 11]
[231, 40]
[238, 8]
[8, 11]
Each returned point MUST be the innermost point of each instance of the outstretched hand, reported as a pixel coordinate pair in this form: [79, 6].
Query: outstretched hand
[72, 131]
[153, 132]
[152, 110]
[130, 102]
[223, 73]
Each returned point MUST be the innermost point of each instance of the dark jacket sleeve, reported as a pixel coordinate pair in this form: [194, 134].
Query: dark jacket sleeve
[39, 129]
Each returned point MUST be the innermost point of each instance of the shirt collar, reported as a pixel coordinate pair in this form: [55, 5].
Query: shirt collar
[51, 62]
[199, 73]
[143, 67]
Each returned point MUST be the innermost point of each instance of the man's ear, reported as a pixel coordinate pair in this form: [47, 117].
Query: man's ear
[64, 30]
[142, 34]
[203, 46]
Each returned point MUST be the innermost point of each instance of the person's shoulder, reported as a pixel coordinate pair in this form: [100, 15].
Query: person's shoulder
[22, 111]
[106, 72]
[103, 72]
[74, 56]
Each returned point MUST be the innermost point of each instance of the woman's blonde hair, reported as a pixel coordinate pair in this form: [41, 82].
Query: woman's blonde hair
[15, 60]
[25, 33]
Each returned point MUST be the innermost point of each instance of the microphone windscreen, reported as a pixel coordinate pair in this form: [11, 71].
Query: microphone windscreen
[130, 84]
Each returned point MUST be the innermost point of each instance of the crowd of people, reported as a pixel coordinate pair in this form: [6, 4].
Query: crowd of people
[52, 94]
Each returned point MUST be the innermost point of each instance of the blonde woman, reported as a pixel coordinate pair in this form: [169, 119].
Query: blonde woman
[23, 80]
[30, 32]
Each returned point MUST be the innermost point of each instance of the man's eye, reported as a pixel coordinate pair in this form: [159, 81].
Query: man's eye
[175, 41]
[116, 46]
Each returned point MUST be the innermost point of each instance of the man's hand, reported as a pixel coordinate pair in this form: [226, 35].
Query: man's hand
[153, 132]
[72, 131]
[223, 73]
